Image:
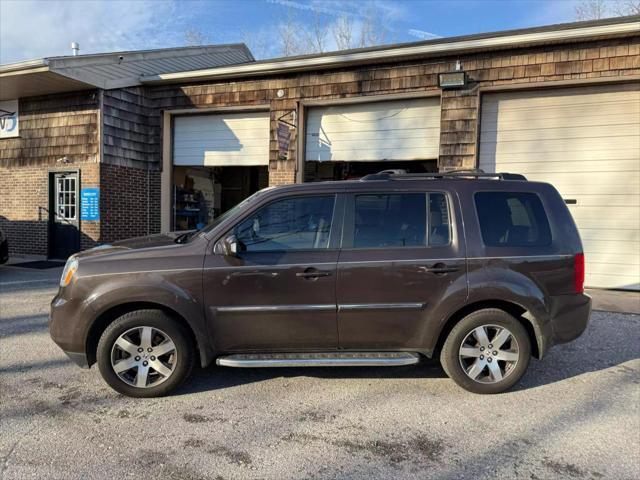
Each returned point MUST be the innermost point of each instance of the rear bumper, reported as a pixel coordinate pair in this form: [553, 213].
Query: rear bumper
[569, 317]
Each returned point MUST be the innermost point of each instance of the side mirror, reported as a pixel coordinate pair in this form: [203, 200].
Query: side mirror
[228, 246]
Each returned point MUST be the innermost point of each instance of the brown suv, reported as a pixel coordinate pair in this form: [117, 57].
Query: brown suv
[481, 270]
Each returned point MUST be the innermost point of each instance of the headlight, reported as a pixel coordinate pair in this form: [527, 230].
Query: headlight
[69, 271]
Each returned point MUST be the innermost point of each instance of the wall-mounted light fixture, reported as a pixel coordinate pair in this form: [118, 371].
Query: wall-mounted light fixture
[452, 80]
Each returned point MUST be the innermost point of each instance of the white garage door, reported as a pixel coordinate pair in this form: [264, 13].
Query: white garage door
[393, 130]
[219, 140]
[586, 142]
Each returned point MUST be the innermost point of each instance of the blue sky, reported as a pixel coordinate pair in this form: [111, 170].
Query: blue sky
[40, 28]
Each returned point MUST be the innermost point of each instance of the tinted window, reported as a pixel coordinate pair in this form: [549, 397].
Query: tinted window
[299, 223]
[390, 220]
[439, 225]
[509, 219]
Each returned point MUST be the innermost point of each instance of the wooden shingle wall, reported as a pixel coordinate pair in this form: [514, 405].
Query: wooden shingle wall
[459, 122]
[131, 130]
[52, 127]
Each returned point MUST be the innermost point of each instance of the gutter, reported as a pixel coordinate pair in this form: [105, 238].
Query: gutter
[378, 55]
[28, 66]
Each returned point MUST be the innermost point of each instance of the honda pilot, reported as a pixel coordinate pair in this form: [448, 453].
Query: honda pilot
[482, 271]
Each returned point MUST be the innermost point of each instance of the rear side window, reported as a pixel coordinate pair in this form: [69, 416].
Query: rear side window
[401, 220]
[512, 219]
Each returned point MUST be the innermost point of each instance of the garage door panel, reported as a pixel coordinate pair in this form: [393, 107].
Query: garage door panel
[620, 235]
[413, 134]
[553, 117]
[229, 139]
[392, 130]
[355, 154]
[586, 142]
[573, 134]
[625, 282]
[542, 146]
[488, 155]
[545, 167]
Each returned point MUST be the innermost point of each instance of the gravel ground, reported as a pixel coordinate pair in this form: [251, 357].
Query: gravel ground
[575, 414]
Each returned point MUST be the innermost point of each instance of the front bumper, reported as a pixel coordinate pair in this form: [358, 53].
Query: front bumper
[66, 331]
[79, 358]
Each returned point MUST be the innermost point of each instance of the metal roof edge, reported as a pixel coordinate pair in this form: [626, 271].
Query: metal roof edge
[20, 67]
[513, 39]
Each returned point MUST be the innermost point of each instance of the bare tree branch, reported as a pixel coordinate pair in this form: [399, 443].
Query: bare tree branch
[591, 10]
[627, 7]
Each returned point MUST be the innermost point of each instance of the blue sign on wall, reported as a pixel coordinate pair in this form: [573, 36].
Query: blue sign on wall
[90, 204]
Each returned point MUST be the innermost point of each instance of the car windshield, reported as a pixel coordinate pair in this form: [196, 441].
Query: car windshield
[218, 220]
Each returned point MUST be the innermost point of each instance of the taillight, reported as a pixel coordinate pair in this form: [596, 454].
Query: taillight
[578, 273]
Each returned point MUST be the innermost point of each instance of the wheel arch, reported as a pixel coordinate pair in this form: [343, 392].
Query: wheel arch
[517, 311]
[105, 318]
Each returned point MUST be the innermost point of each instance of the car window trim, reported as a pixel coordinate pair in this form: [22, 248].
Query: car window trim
[334, 236]
[348, 229]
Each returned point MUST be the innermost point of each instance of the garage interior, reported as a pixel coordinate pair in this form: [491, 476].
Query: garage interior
[349, 141]
[218, 160]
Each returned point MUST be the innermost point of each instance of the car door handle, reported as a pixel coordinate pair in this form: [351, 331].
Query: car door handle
[309, 273]
[439, 269]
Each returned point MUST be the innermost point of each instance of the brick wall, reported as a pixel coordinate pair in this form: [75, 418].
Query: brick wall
[51, 127]
[130, 202]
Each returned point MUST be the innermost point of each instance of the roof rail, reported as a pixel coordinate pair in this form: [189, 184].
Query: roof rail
[474, 173]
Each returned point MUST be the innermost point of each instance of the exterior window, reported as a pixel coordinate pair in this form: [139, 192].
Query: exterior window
[512, 219]
[439, 224]
[66, 198]
[395, 220]
[299, 223]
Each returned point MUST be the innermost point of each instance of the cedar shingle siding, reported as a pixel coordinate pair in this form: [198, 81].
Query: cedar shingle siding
[129, 176]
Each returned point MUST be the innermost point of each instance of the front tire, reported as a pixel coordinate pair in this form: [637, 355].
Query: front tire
[145, 353]
[488, 351]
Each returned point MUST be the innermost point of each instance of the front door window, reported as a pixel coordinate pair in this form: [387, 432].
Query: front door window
[299, 223]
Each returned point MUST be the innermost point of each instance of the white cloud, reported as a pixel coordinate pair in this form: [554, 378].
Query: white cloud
[35, 29]
[414, 32]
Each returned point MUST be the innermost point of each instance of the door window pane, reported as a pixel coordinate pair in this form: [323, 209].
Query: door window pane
[512, 219]
[396, 220]
[299, 223]
[439, 225]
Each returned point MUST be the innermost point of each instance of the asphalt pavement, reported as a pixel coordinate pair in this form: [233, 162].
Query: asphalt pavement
[576, 414]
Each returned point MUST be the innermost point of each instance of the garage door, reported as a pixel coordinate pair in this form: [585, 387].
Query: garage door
[234, 139]
[394, 130]
[586, 142]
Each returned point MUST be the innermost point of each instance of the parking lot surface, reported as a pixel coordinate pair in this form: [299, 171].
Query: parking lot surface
[575, 414]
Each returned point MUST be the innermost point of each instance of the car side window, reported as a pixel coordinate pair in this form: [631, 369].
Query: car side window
[512, 219]
[297, 223]
[439, 223]
[390, 220]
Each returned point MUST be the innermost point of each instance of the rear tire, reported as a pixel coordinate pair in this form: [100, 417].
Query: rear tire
[145, 353]
[488, 351]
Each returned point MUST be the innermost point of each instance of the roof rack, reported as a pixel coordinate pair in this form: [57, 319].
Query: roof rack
[475, 173]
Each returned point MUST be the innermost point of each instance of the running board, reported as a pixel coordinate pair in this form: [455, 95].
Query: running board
[329, 359]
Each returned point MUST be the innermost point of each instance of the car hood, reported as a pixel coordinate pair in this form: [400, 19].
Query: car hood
[138, 243]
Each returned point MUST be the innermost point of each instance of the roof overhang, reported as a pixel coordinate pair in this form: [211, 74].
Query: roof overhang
[441, 47]
[27, 79]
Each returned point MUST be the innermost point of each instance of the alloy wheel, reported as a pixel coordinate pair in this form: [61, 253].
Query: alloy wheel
[489, 353]
[144, 357]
